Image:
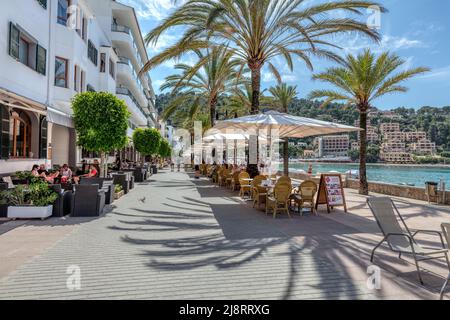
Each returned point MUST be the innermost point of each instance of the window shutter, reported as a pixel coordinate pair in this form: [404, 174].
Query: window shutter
[41, 60]
[14, 35]
[4, 132]
[43, 139]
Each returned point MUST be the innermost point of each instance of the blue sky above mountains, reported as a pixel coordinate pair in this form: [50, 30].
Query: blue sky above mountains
[417, 30]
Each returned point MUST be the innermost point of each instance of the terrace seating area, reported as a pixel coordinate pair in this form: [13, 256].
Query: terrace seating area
[80, 191]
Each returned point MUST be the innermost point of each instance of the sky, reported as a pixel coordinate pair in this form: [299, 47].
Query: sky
[416, 30]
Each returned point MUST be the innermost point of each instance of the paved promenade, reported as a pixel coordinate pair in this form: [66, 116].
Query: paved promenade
[192, 240]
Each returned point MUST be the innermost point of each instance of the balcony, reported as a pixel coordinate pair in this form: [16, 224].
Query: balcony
[130, 68]
[129, 38]
[134, 107]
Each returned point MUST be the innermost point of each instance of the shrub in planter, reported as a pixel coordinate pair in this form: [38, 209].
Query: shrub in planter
[118, 191]
[32, 201]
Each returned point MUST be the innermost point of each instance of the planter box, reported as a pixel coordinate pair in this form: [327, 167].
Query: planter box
[118, 195]
[30, 212]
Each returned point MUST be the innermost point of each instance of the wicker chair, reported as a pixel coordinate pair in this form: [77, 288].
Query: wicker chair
[258, 193]
[279, 200]
[235, 181]
[245, 186]
[285, 179]
[223, 177]
[305, 196]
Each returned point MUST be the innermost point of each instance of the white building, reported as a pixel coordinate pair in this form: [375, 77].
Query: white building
[332, 146]
[53, 49]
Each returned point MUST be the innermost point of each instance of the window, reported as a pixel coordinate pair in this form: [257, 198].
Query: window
[25, 49]
[79, 79]
[112, 69]
[90, 88]
[43, 3]
[43, 140]
[102, 62]
[61, 70]
[83, 81]
[75, 79]
[41, 60]
[4, 131]
[92, 53]
[19, 134]
[63, 7]
[81, 23]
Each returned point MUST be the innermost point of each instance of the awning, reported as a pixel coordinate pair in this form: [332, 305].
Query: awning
[15, 100]
[59, 118]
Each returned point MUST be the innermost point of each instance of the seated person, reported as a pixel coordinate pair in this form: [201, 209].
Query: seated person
[66, 174]
[93, 172]
[40, 171]
[43, 169]
[35, 171]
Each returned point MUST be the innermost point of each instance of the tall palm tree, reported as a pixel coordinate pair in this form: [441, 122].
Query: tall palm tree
[259, 30]
[283, 96]
[215, 74]
[361, 80]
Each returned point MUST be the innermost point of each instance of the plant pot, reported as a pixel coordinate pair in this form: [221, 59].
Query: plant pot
[118, 195]
[30, 212]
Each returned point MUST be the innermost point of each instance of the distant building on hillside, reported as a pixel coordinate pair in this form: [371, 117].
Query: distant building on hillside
[355, 146]
[308, 154]
[332, 146]
[424, 147]
[415, 136]
[396, 157]
[389, 127]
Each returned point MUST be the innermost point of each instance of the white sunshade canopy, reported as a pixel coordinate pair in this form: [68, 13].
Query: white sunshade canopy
[287, 125]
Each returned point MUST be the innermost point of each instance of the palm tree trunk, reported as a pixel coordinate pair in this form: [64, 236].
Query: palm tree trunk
[256, 87]
[363, 185]
[212, 109]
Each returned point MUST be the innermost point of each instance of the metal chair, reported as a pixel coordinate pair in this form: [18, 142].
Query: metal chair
[446, 232]
[398, 236]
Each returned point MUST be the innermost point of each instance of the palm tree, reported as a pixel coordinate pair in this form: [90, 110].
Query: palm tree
[361, 80]
[283, 96]
[259, 30]
[215, 74]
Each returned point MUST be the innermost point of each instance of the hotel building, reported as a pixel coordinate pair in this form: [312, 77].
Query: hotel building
[49, 51]
[332, 146]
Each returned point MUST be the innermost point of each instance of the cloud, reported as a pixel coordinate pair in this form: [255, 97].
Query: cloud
[152, 9]
[437, 74]
[387, 43]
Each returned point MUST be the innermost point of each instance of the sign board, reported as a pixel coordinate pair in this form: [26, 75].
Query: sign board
[331, 192]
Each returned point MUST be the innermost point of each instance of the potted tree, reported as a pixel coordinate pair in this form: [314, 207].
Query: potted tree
[101, 122]
[147, 142]
[30, 201]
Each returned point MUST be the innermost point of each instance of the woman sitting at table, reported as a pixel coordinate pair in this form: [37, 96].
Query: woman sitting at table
[93, 172]
[38, 171]
[66, 174]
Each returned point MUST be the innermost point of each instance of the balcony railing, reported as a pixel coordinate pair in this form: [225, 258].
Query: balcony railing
[124, 60]
[125, 91]
[127, 30]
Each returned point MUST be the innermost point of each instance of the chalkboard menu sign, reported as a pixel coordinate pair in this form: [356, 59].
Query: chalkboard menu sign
[331, 192]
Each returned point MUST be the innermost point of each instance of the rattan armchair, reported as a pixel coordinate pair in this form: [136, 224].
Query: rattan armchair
[279, 200]
[258, 193]
[245, 186]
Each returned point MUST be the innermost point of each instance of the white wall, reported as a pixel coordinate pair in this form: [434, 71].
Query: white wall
[15, 76]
